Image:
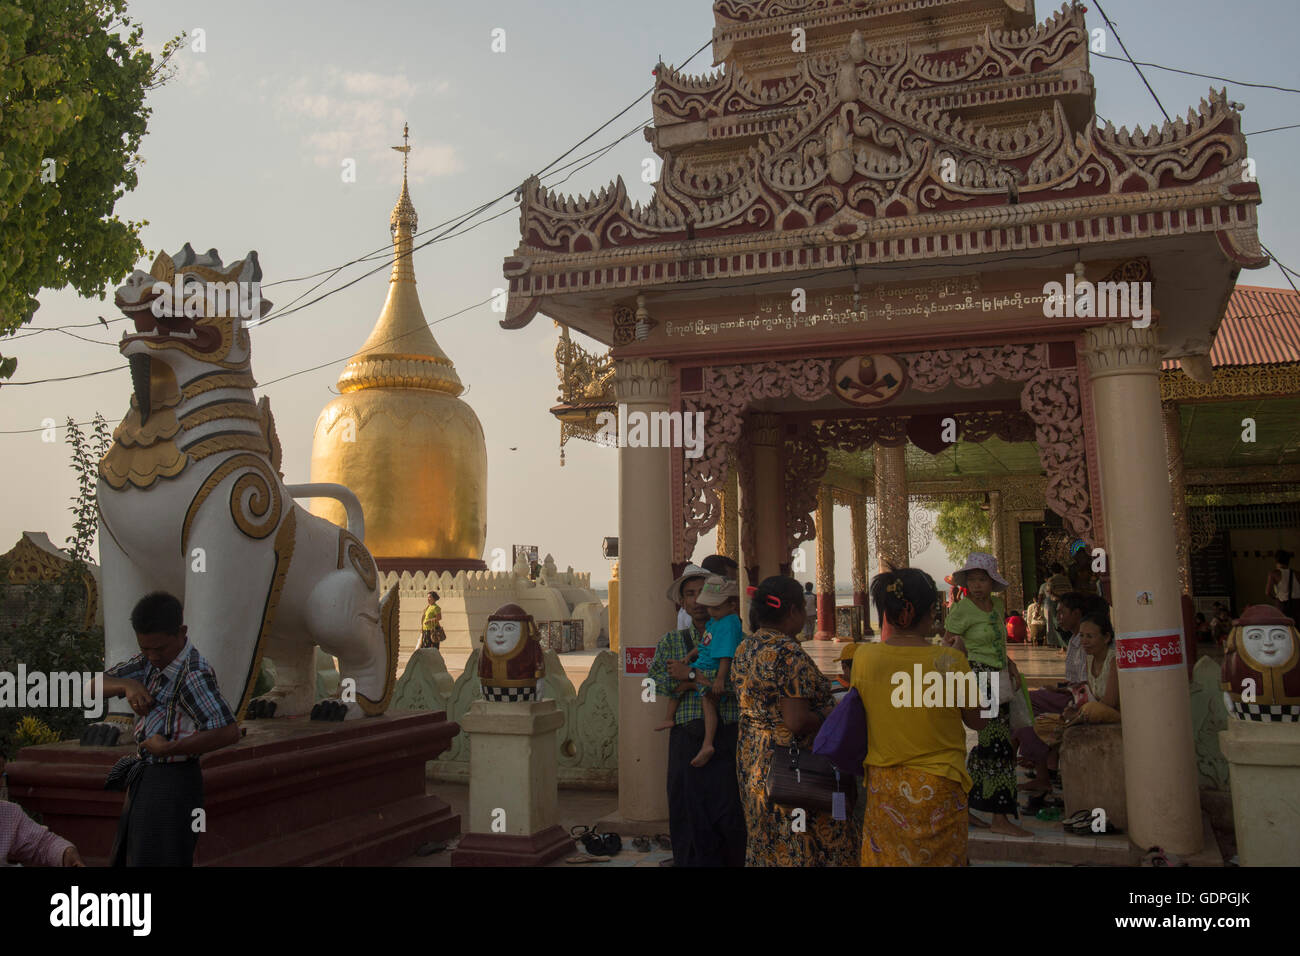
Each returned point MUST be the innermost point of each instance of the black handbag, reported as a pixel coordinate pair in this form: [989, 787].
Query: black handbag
[799, 778]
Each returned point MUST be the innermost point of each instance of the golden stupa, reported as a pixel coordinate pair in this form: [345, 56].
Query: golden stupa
[400, 437]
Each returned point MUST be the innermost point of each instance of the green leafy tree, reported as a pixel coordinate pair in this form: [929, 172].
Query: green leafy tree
[49, 631]
[73, 79]
[962, 526]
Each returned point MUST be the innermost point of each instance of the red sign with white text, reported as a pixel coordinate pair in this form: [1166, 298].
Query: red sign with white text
[1149, 650]
[636, 660]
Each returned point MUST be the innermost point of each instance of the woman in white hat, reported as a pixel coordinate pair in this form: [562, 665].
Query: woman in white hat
[977, 625]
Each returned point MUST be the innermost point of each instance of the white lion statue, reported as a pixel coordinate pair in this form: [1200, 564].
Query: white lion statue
[192, 501]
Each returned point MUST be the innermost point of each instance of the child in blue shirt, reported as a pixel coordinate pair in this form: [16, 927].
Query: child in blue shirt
[718, 646]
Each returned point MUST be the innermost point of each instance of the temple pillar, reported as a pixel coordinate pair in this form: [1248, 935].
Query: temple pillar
[1002, 544]
[891, 506]
[1159, 758]
[858, 530]
[769, 509]
[728, 543]
[825, 563]
[644, 571]
[1178, 492]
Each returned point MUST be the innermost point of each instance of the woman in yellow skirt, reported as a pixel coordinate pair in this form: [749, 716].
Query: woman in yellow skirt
[917, 695]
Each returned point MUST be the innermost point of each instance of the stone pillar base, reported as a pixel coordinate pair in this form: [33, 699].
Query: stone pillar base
[502, 849]
[1264, 764]
[513, 769]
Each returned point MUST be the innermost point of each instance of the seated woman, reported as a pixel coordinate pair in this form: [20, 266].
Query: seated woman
[915, 768]
[1102, 706]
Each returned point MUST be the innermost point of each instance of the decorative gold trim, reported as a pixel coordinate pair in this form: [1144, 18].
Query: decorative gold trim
[234, 408]
[1238, 381]
[267, 422]
[392, 643]
[361, 559]
[284, 544]
[243, 441]
[208, 383]
[262, 484]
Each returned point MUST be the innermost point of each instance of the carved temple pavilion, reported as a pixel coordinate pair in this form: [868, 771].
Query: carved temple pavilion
[847, 266]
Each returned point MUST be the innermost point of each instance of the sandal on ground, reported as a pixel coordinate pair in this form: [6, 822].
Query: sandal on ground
[663, 842]
[1079, 816]
[641, 844]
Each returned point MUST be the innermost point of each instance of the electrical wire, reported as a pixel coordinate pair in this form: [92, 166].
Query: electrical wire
[1174, 69]
[1131, 60]
[1287, 271]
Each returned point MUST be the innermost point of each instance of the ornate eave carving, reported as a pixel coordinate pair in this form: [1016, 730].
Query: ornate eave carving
[1049, 397]
[1239, 381]
[878, 155]
[1008, 64]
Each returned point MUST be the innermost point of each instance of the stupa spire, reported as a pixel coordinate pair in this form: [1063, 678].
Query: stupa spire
[401, 351]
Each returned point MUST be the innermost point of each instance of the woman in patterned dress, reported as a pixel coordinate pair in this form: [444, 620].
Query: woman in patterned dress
[782, 696]
[977, 626]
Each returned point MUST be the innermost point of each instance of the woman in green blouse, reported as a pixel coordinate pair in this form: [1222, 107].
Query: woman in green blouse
[977, 625]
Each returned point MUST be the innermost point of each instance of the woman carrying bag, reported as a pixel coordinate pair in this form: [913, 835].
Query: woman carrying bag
[977, 627]
[784, 700]
[915, 775]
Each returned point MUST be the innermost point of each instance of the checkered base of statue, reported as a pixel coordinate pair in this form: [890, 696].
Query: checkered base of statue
[509, 694]
[1267, 713]
[290, 793]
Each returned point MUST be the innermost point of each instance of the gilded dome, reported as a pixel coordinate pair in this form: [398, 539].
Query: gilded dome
[399, 436]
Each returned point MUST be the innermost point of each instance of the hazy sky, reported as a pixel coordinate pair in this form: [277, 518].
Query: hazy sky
[245, 151]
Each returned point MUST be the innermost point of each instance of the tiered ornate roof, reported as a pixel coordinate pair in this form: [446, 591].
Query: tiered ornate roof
[914, 129]
[1004, 76]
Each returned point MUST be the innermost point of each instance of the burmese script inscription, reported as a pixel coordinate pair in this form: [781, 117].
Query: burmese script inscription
[887, 302]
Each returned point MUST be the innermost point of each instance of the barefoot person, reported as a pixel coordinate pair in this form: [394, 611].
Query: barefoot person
[976, 626]
[182, 714]
[711, 658]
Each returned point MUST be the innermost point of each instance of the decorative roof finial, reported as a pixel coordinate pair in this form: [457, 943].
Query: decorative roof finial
[404, 211]
[405, 148]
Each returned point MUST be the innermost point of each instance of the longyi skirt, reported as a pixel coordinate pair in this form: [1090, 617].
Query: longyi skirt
[913, 818]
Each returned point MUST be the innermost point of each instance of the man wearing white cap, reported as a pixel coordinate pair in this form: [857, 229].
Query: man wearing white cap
[705, 819]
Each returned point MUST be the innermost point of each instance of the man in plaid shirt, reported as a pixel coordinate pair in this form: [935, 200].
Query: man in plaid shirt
[705, 820]
[182, 714]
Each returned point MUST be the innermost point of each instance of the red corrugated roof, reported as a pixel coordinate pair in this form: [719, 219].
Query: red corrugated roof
[1260, 327]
